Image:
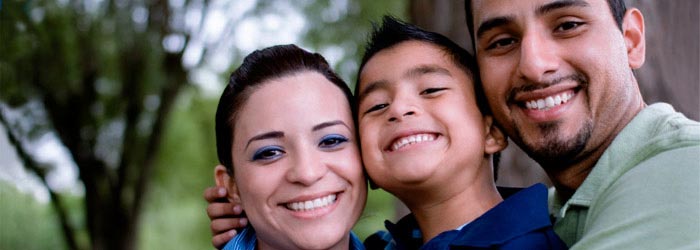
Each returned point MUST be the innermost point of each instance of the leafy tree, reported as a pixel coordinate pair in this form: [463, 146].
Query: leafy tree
[100, 73]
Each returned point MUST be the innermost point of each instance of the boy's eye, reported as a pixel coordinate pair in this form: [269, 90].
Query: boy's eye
[377, 107]
[429, 91]
[268, 153]
[332, 141]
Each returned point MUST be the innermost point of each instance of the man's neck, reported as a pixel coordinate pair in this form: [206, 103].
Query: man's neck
[567, 179]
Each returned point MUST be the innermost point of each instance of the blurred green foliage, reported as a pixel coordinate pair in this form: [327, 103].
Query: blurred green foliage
[174, 211]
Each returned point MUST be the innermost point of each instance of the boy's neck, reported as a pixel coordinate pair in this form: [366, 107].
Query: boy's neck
[453, 209]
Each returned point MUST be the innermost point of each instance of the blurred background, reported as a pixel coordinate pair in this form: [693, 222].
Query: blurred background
[107, 106]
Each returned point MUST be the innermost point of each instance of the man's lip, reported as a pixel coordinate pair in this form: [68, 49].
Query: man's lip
[523, 96]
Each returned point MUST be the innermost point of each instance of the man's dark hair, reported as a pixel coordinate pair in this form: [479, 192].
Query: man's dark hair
[617, 7]
[394, 31]
[257, 68]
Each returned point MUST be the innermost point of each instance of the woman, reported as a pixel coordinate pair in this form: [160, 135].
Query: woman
[287, 147]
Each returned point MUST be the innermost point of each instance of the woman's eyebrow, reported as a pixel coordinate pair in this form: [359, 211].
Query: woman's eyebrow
[264, 136]
[329, 124]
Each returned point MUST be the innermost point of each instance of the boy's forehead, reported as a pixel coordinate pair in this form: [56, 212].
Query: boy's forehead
[407, 59]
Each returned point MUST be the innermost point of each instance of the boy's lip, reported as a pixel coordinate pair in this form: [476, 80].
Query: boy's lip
[389, 147]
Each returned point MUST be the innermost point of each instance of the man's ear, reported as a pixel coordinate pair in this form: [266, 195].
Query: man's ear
[495, 140]
[633, 33]
[223, 179]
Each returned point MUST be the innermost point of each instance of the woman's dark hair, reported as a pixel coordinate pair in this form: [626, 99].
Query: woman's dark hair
[258, 68]
[394, 31]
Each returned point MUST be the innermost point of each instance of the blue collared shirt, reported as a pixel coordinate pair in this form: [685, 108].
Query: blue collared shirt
[519, 222]
[246, 240]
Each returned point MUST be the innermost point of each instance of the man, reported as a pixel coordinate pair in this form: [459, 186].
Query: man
[558, 75]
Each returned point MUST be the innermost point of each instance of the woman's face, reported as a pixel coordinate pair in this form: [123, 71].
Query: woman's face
[296, 163]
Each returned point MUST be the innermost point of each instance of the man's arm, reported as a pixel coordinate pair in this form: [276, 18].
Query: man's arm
[225, 216]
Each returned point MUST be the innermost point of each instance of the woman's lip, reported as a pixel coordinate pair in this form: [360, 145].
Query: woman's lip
[308, 197]
[315, 211]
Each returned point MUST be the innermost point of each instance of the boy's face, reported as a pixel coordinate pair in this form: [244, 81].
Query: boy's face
[419, 123]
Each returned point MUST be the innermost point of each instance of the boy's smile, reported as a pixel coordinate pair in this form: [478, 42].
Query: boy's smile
[419, 123]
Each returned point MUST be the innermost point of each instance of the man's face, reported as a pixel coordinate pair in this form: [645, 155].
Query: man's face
[557, 74]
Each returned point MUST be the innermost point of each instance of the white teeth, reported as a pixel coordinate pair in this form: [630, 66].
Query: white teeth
[549, 101]
[312, 204]
[413, 139]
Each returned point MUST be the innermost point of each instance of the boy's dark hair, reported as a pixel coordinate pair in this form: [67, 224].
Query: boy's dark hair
[394, 31]
[617, 7]
[257, 68]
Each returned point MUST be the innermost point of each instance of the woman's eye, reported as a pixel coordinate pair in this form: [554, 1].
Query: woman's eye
[376, 107]
[332, 141]
[431, 91]
[268, 153]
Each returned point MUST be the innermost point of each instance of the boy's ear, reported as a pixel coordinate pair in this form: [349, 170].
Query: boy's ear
[633, 33]
[223, 179]
[495, 140]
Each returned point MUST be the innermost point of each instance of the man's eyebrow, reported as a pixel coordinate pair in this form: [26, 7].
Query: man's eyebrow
[329, 124]
[494, 22]
[263, 136]
[544, 9]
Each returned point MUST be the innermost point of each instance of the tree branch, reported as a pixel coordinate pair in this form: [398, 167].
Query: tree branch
[69, 233]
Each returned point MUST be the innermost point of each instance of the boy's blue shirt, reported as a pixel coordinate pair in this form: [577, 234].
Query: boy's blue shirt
[521, 221]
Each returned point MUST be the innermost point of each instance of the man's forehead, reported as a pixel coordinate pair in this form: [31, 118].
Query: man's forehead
[482, 9]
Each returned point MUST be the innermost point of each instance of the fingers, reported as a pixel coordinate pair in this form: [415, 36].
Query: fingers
[219, 240]
[222, 225]
[213, 194]
[223, 210]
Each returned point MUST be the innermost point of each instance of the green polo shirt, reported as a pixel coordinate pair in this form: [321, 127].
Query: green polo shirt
[644, 191]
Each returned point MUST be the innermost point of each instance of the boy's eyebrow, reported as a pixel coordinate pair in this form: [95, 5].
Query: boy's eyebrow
[263, 136]
[495, 22]
[329, 124]
[371, 87]
[410, 73]
[426, 69]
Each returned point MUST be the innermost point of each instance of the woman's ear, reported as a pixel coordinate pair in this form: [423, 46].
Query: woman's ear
[495, 140]
[223, 179]
[633, 32]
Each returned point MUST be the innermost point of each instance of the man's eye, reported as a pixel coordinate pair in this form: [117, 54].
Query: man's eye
[568, 26]
[376, 107]
[268, 153]
[500, 43]
[431, 91]
[332, 141]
